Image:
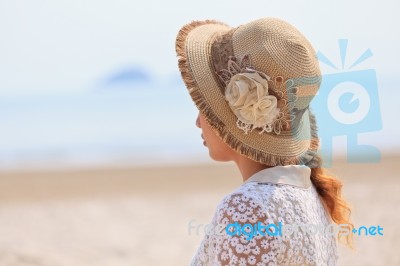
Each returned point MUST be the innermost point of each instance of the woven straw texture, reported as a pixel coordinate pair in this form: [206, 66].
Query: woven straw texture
[275, 48]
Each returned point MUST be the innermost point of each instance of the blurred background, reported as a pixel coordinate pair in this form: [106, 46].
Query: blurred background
[100, 159]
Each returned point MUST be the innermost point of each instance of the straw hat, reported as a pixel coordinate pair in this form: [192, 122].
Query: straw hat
[254, 84]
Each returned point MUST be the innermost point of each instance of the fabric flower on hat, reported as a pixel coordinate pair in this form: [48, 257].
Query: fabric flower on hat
[248, 98]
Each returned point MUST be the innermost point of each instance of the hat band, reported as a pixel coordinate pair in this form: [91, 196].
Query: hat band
[226, 65]
[222, 52]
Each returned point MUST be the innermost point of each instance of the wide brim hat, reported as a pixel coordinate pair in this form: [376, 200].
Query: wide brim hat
[214, 56]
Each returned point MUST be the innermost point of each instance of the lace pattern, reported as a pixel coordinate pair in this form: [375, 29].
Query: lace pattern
[287, 94]
[269, 203]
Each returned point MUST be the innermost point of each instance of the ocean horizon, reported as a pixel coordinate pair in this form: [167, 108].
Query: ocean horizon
[144, 125]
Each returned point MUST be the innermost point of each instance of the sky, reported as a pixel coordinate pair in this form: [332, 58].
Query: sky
[71, 71]
[69, 45]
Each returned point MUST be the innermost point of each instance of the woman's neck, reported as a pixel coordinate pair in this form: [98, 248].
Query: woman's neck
[248, 167]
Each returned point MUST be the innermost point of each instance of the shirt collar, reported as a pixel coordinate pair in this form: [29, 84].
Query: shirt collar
[295, 175]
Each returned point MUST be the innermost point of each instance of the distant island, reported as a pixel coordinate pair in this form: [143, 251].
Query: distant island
[128, 78]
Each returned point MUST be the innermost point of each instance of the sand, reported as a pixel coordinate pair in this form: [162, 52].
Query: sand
[140, 216]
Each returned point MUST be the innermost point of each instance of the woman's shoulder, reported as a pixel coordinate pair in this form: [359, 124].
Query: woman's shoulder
[253, 202]
[243, 204]
[253, 193]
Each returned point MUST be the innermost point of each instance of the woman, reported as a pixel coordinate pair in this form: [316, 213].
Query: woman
[253, 85]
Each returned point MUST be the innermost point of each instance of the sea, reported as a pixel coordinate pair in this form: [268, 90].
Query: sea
[144, 125]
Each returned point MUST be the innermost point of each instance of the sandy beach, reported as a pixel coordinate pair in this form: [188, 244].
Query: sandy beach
[139, 216]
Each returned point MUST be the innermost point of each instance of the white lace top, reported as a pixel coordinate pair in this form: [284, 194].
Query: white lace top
[282, 195]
